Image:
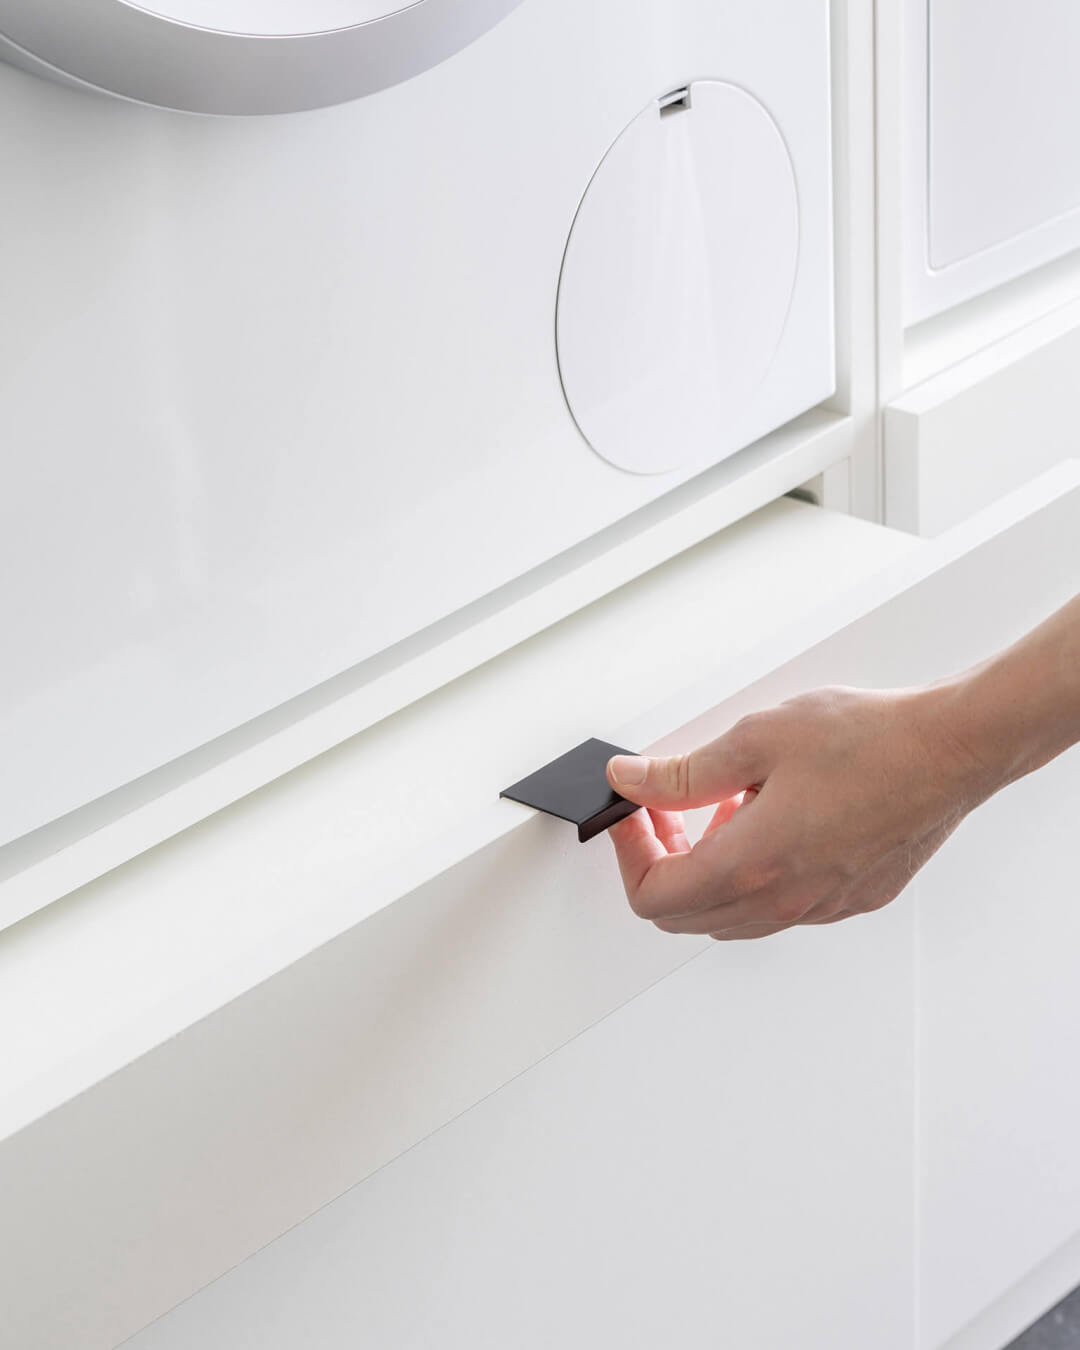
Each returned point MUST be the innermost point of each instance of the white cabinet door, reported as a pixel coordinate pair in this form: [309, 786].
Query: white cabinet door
[732, 1159]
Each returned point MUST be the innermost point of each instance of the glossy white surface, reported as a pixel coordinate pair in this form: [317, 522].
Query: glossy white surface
[992, 127]
[677, 282]
[262, 422]
[410, 1007]
[239, 56]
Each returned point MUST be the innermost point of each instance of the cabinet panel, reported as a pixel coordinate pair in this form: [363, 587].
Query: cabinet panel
[1004, 122]
[658, 1180]
[999, 933]
[984, 426]
[270, 429]
[270, 1007]
[420, 1001]
[705, 1170]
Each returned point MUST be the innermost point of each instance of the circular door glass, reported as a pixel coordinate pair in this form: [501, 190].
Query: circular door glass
[678, 279]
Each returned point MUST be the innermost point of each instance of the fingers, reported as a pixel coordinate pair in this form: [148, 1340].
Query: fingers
[768, 908]
[638, 850]
[682, 893]
[722, 814]
[670, 829]
[668, 886]
[724, 768]
[734, 885]
[727, 809]
[642, 839]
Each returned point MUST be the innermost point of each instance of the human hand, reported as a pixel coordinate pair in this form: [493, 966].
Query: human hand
[848, 793]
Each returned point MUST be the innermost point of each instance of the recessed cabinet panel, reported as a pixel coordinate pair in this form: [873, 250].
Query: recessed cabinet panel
[1004, 121]
[993, 126]
[280, 393]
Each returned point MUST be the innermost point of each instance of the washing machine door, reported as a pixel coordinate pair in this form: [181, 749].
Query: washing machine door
[239, 56]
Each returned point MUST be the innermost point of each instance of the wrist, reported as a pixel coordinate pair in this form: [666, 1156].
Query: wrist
[1015, 713]
[965, 739]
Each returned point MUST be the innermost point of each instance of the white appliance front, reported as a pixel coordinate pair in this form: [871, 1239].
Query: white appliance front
[280, 392]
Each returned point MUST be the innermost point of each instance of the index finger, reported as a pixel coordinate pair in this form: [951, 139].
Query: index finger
[662, 885]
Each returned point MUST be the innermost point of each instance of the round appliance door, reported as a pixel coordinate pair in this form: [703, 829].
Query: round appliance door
[240, 56]
[678, 280]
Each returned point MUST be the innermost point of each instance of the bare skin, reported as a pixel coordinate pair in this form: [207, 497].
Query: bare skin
[827, 806]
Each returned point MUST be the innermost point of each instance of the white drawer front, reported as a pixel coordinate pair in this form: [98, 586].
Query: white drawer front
[430, 982]
[676, 1177]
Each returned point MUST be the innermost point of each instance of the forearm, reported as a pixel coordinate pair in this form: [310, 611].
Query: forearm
[1021, 709]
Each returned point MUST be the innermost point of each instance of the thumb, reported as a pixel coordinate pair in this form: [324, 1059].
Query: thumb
[709, 774]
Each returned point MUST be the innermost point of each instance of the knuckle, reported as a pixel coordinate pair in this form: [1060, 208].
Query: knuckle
[742, 883]
[789, 909]
[829, 696]
[675, 776]
[875, 903]
[639, 905]
[678, 770]
[751, 879]
[745, 734]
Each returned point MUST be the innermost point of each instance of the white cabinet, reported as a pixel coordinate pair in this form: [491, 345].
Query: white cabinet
[307, 986]
[313, 978]
[416, 1004]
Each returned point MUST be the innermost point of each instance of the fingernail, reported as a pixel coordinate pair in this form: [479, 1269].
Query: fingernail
[629, 769]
